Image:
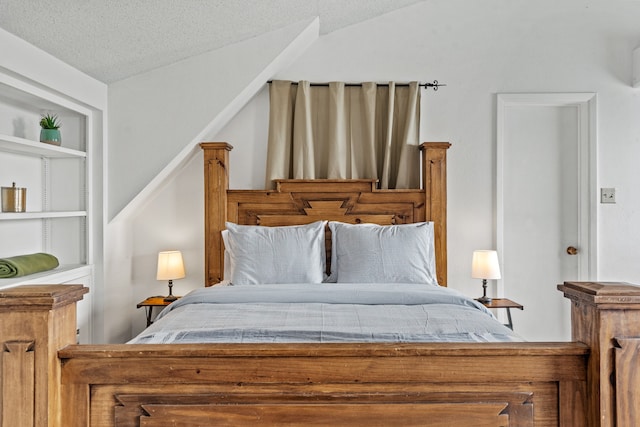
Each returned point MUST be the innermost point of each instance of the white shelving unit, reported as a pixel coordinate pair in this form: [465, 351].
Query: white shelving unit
[57, 178]
[13, 144]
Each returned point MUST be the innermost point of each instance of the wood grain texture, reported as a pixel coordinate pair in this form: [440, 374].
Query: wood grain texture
[525, 376]
[216, 184]
[39, 297]
[480, 414]
[627, 380]
[36, 321]
[434, 175]
[18, 368]
[601, 312]
[515, 406]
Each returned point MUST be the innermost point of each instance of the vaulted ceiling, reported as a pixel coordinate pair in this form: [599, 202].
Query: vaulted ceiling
[115, 39]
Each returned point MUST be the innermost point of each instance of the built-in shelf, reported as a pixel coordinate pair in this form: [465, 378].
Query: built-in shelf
[60, 203]
[40, 215]
[60, 274]
[58, 214]
[13, 144]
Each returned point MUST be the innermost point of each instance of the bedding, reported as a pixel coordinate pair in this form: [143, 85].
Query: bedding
[325, 312]
[288, 254]
[382, 253]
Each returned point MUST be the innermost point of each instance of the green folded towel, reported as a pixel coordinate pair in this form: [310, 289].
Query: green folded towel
[23, 265]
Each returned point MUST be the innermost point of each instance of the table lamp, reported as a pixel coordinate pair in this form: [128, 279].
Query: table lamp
[170, 267]
[485, 266]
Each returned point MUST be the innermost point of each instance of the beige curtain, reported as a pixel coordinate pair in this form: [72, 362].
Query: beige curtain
[340, 131]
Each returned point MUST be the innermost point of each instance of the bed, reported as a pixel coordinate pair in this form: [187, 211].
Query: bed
[325, 313]
[46, 379]
[378, 284]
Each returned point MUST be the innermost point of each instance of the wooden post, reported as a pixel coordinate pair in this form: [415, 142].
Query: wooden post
[216, 184]
[434, 183]
[627, 381]
[600, 313]
[36, 321]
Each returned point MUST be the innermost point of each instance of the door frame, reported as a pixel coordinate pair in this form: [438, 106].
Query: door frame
[587, 169]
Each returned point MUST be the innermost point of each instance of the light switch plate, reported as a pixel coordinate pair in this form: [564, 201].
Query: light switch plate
[607, 195]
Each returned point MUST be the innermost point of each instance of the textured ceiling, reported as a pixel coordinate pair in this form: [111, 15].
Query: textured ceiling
[115, 39]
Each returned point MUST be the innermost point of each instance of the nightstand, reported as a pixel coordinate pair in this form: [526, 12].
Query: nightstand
[504, 303]
[150, 303]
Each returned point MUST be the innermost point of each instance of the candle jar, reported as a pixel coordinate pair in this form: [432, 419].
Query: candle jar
[14, 199]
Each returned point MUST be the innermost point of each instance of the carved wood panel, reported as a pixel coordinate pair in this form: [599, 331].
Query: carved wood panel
[440, 408]
[18, 384]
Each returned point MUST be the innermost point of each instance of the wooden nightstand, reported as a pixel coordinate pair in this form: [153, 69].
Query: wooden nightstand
[504, 303]
[149, 303]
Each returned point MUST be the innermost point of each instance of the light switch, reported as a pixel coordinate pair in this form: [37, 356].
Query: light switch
[607, 195]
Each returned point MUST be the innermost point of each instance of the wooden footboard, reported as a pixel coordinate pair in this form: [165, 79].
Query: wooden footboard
[46, 380]
[329, 384]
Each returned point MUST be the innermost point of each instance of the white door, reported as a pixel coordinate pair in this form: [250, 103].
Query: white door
[545, 178]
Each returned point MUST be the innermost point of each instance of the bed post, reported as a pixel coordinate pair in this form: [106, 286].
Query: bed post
[434, 183]
[216, 184]
[606, 316]
[37, 321]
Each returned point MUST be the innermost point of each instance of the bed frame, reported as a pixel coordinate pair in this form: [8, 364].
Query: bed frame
[47, 380]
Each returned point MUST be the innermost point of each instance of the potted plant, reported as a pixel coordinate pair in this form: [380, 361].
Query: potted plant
[50, 132]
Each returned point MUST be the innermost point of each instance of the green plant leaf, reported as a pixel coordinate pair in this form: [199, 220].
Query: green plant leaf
[50, 121]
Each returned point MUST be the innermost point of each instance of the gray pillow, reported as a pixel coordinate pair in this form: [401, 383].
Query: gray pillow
[260, 255]
[371, 253]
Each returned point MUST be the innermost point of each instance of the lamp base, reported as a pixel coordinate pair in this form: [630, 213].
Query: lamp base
[484, 300]
[170, 297]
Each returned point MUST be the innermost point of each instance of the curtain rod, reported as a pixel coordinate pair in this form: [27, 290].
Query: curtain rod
[435, 85]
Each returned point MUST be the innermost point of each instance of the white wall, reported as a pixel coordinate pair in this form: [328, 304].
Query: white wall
[478, 49]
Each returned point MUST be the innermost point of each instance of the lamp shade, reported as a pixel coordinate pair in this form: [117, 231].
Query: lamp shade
[170, 265]
[485, 265]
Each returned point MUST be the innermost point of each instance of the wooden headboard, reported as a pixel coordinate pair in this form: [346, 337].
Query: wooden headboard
[295, 202]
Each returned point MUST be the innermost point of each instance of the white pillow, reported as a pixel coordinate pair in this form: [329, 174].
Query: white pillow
[291, 254]
[371, 253]
[226, 267]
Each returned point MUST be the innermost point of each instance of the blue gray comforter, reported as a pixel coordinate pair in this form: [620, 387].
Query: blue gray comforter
[326, 312]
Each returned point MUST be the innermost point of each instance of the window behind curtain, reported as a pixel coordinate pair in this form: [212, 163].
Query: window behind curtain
[341, 131]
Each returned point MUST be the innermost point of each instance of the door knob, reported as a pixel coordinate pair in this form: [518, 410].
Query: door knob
[572, 251]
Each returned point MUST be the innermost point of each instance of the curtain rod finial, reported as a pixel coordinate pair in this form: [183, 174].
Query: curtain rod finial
[435, 85]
